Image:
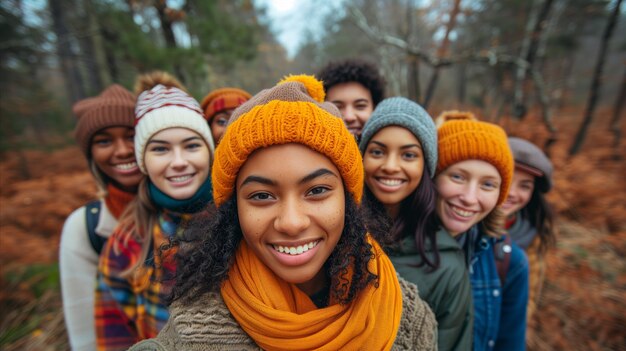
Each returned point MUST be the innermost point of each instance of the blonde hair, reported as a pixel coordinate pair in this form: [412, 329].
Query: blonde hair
[137, 222]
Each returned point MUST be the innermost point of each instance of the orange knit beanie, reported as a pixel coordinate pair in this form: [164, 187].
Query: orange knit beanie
[223, 99]
[465, 139]
[293, 111]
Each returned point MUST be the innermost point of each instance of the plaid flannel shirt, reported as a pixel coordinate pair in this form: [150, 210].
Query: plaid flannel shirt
[130, 307]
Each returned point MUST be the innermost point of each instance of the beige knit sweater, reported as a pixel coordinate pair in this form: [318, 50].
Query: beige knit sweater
[207, 324]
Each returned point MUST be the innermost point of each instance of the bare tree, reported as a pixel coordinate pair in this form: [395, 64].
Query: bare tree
[491, 58]
[617, 112]
[168, 32]
[596, 83]
[71, 73]
[534, 27]
[443, 49]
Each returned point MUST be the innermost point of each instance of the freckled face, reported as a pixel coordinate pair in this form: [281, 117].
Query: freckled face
[354, 102]
[291, 206]
[467, 192]
[520, 192]
[394, 164]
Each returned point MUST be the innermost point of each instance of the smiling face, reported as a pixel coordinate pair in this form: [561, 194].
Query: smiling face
[113, 153]
[354, 102]
[291, 206]
[219, 123]
[177, 161]
[520, 192]
[394, 164]
[467, 192]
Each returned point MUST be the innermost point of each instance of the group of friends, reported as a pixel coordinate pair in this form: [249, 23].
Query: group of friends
[315, 215]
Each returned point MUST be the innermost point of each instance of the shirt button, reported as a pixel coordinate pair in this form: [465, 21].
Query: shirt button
[496, 293]
[491, 343]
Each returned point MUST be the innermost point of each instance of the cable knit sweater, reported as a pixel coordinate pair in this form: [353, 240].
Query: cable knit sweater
[207, 324]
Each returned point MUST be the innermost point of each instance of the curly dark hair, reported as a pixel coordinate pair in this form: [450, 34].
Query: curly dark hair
[417, 217]
[207, 251]
[354, 70]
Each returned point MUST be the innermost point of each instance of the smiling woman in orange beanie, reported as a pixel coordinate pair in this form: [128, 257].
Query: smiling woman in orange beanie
[473, 177]
[219, 105]
[287, 263]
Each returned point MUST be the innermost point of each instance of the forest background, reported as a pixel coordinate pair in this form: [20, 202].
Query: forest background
[551, 71]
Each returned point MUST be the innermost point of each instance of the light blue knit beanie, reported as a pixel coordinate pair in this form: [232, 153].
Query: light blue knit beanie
[399, 111]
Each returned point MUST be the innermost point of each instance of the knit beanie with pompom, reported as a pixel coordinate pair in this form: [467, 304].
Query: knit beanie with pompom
[162, 106]
[293, 111]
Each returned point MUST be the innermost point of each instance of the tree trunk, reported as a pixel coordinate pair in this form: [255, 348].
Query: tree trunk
[462, 85]
[430, 91]
[596, 82]
[617, 112]
[534, 27]
[97, 43]
[168, 34]
[413, 83]
[71, 73]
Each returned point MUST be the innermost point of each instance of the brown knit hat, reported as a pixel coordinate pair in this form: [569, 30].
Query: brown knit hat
[114, 107]
[293, 111]
[465, 139]
[223, 99]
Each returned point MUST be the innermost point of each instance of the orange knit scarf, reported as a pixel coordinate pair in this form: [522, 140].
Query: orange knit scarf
[117, 200]
[279, 316]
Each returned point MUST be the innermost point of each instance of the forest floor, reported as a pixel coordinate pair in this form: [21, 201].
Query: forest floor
[583, 303]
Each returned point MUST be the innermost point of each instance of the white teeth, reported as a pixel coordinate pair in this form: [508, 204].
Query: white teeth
[126, 166]
[295, 250]
[390, 182]
[461, 212]
[180, 179]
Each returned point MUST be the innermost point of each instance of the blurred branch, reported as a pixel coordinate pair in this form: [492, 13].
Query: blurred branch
[489, 57]
[486, 57]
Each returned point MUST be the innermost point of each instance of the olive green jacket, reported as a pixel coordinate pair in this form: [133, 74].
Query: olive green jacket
[447, 290]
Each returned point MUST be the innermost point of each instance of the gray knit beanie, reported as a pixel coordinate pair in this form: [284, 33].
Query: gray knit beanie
[530, 158]
[399, 111]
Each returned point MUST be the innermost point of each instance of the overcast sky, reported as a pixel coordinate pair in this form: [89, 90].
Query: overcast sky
[292, 19]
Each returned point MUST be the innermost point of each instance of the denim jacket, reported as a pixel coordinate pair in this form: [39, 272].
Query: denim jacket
[499, 312]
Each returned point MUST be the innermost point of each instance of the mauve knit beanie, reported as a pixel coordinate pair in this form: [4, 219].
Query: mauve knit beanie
[528, 155]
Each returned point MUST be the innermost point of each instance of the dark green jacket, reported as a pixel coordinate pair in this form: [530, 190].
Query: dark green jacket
[447, 290]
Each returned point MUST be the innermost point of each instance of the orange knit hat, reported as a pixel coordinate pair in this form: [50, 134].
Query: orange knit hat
[465, 139]
[223, 99]
[293, 111]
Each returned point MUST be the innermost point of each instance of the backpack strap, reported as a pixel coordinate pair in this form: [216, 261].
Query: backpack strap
[502, 252]
[92, 217]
